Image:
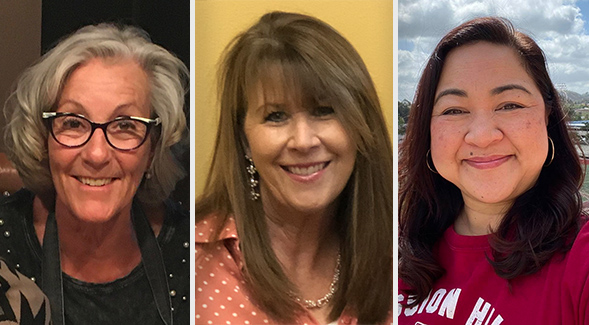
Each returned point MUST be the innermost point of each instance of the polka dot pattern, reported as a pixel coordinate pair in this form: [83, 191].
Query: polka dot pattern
[221, 297]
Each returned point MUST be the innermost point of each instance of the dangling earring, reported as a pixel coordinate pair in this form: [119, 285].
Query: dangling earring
[252, 171]
[148, 174]
[551, 155]
[427, 159]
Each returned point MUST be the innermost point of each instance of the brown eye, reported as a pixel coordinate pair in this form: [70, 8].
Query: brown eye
[453, 111]
[510, 106]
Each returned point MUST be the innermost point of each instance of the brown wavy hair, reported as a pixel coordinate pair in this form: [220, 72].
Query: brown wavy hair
[317, 63]
[542, 222]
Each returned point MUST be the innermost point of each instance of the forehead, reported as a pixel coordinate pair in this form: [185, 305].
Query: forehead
[107, 85]
[482, 64]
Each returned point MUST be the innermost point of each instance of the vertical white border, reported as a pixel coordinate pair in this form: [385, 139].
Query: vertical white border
[192, 174]
[396, 158]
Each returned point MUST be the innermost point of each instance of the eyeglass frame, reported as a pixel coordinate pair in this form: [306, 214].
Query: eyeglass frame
[149, 123]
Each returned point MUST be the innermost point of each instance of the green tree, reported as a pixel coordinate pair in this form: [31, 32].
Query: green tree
[403, 115]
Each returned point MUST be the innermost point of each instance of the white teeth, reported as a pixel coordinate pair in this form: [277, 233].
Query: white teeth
[304, 171]
[95, 181]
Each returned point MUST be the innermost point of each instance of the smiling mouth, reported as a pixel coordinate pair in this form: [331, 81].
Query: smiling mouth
[304, 171]
[94, 181]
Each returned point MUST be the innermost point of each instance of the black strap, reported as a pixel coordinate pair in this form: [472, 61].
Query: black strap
[52, 281]
[151, 255]
[153, 263]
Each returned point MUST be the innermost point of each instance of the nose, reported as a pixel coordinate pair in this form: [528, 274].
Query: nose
[304, 135]
[97, 152]
[483, 130]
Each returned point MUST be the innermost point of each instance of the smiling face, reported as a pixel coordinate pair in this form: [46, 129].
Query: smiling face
[303, 154]
[96, 182]
[488, 125]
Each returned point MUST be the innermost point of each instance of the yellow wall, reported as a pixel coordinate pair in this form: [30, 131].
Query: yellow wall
[367, 24]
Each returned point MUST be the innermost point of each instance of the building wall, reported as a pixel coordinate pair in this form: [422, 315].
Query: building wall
[20, 44]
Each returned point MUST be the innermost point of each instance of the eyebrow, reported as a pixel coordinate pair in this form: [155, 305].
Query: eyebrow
[82, 109]
[270, 104]
[451, 91]
[494, 91]
[498, 90]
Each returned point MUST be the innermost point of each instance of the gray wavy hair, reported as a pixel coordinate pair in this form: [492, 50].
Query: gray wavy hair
[39, 87]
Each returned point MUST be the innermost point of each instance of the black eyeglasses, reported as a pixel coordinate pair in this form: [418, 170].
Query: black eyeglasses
[123, 133]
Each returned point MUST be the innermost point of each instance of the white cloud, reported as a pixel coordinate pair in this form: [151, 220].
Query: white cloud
[557, 26]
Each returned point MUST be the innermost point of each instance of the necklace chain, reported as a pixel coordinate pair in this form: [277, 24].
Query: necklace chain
[311, 304]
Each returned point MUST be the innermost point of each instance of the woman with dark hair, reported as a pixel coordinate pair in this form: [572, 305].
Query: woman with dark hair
[295, 223]
[491, 223]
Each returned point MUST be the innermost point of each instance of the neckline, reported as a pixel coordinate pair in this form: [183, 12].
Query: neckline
[466, 243]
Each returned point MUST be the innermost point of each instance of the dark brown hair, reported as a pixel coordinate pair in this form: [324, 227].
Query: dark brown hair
[316, 63]
[542, 222]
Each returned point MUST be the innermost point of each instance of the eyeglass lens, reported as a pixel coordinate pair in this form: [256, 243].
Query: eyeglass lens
[123, 134]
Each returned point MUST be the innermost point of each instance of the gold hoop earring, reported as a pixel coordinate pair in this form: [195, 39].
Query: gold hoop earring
[551, 155]
[427, 159]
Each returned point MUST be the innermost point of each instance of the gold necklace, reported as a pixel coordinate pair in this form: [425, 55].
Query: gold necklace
[311, 304]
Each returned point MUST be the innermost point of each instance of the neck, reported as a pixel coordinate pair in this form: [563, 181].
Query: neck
[480, 218]
[92, 252]
[307, 246]
[299, 239]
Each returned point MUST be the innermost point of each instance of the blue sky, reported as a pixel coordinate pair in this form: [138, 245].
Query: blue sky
[560, 27]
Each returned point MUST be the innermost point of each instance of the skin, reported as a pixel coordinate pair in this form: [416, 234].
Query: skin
[488, 132]
[304, 158]
[98, 216]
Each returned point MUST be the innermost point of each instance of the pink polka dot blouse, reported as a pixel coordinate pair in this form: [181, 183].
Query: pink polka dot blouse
[221, 297]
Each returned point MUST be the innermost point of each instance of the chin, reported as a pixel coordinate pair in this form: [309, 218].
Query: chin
[94, 213]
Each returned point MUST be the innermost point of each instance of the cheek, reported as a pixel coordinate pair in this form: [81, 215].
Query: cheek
[136, 163]
[59, 158]
[532, 137]
[264, 144]
[445, 139]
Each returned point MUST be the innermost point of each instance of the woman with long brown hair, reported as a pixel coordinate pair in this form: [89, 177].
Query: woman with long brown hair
[491, 226]
[295, 224]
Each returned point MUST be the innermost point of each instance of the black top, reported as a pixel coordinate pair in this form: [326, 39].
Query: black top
[127, 300]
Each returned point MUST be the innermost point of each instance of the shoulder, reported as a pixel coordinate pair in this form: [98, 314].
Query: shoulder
[18, 242]
[176, 212]
[18, 199]
[215, 227]
[575, 283]
[576, 257]
[174, 239]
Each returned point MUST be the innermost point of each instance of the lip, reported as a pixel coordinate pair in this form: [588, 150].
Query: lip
[487, 162]
[95, 182]
[307, 172]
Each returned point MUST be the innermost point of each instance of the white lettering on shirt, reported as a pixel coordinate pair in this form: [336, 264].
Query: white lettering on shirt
[435, 301]
[479, 313]
[445, 303]
[449, 305]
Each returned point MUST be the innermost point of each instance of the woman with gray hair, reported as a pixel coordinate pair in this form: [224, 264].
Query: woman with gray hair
[90, 130]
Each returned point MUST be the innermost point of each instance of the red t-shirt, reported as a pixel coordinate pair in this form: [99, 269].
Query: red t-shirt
[221, 294]
[471, 293]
